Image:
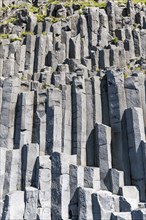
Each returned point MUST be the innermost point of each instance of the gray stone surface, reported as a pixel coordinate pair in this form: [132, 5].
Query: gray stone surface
[31, 198]
[72, 110]
[135, 126]
[103, 153]
[14, 206]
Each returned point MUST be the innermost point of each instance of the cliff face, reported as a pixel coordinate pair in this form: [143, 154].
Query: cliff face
[72, 112]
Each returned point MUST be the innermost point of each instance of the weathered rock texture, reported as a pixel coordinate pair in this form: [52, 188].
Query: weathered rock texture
[73, 114]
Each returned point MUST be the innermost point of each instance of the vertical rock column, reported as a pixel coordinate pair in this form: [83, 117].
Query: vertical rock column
[76, 178]
[60, 193]
[21, 59]
[103, 28]
[14, 206]
[144, 157]
[2, 170]
[66, 119]
[104, 101]
[103, 154]
[2, 56]
[85, 210]
[44, 179]
[39, 60]
[96, 81]
[11, 88]
[117, 105]
[135, 132]
[110, 10]
[143, 43]
[4, 48]
[137, 42]
[90, 123]
[129, 44]
[54, 120]
[74, 47]
[19, 55]
[11, 171]
[79, 120]
[93, 114]
[65, 39]
[39, 125]
[142, 91]
[84, 36]
[30, 48]
[133, 92]
[93, 25]
[26, 122]
[31, 200]
[9, 63]
[29, 166]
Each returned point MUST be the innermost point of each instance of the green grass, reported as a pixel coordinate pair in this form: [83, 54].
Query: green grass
[14, 6]
[7, 36]
[44, 33]
[45, 86]
[4, 36]
[138, 68]
[80, 11]
[54, 19]
[126, 75]
[84, 4]
[115, 40]
[54, 2]
[137, 1]
[13, 39]
[40, 18]
[128, 66]
[23, 78]
[24, 34]
[33, 9]
[9, 20]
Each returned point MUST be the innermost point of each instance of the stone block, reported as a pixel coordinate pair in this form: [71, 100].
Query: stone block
[143, 42]
[11, 171]
[117, 180]
[2, 169]
[103, 153]
[92, 178]
[74, 47]
[30, 48]
[31, 199]
[121, 215]
[102, 205]
[85, 204]
[131, 194]
[79, 120]
[44, 176]
[39, 60]
[14, 206]
[135, 132]
[93, 20]
[29, 168]
[54, 120]
[67, 119]
[39, 126]
[60, 185]
[138, 214]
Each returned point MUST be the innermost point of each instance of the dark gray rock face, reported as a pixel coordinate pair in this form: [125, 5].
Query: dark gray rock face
[72, 111]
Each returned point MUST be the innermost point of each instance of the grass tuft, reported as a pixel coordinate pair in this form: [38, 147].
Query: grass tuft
[24, 34]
